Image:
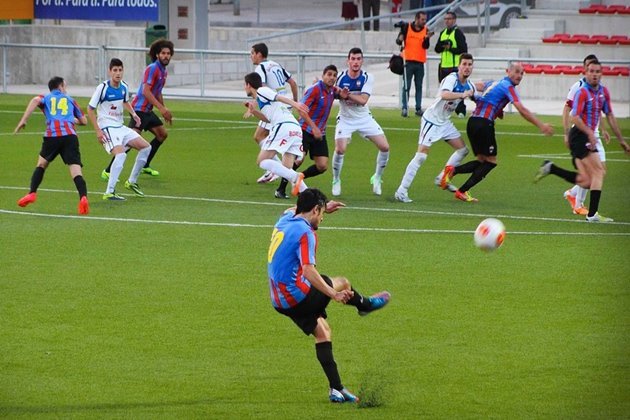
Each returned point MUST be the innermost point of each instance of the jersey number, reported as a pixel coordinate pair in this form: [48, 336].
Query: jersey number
[279, 77]
[62, 105]
[276, 239]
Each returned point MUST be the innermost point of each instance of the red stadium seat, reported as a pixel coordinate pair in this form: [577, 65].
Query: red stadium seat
[545, 68]
[597, 39]
[624, 12]
[588, 10]
[553, 70]
[527, 67]
[562, 68]
[608, 71]
[556, 38]
[577, 38]
[622, 70]
[532, 69]
[573, 70]
[620, 39]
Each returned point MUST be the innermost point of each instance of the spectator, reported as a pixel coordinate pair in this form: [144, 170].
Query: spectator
[371, 8]
[451, 45]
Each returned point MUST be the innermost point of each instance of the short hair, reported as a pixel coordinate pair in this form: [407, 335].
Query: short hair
[115, 62]
[596, 62]
[158, 45]
[254, 80]
[309, 199]
[590, 57]
[451, 14]
[419, 14]
[355, 50]
[330, 67]
[55, 82]
[261, 48]
[466, 56]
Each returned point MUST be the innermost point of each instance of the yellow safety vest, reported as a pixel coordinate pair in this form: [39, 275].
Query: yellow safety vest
[447, 58]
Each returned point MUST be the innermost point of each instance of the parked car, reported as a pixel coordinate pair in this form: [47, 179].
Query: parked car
[501, 13]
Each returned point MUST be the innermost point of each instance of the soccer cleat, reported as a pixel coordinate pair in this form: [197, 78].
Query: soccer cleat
[597, 218]
[402, 197]
[27, 199]
[461, 115]
[419, 113]
[376, 184]
[404, 113]
[267, 177]
[543, 171]
[449, 187]
[84, 206]
[281, 195]
[105, 175]
[336, 187]
[447, 175]
[298, 182]
[150, 171]
[570, 199]
[465, 196]
[336, 396]
[113, 197]
[133, 186]
[582, 211]
[376, 302]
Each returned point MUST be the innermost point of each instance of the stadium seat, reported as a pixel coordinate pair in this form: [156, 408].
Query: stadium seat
[622, 70]
[544, 68]
[553, 70]
[620, 39]
[532, 69]
[527, 67]
[562, 68]
[556, 38]
[573, 70]
[577, 38]
[608, 71]
[597, 39]
[588, 10]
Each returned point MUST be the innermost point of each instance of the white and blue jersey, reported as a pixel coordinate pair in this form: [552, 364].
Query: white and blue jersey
[362, 84]
[440, 111]
[108, 102]
[275, 111]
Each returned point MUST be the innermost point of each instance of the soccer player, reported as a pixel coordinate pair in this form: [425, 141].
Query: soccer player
[276, 77]
[436, 125]
[480, 130]
[150, 95]
[354, 115]
[109, 101]
[589, 102]
[319, 99]
[300, 292]
[576, 195]
[285, 136]
[62, 113]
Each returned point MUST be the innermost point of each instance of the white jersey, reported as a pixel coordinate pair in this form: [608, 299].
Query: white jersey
[362, 84]
[440, 111]
[275, 111]
[108, 102]
[274, 76]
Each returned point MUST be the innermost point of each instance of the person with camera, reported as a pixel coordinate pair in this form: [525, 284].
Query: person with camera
[451, 44]
[414, 42]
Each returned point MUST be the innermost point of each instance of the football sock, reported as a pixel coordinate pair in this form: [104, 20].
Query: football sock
[412, 169]
[457, 157]
[467, 168]
[280, 170]
[381, 162]
[109, 167]
[358, 301]
[337, 165]
[574, 190]
[284, 182]
[594, 202]
[580, 196]
[325, 356]
[155, 145]
[79, 182]
[141, 160]
[312, 171]
[480, 173]
[114, 174]
[37, 178]
[568, 176]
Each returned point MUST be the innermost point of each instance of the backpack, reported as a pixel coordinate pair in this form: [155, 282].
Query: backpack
[396, 64]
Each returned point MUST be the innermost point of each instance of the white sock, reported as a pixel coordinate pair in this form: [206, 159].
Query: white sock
[337, 165]
[141, 159]
[455, 159]
[114, 174]
[381, 162]
[574, 191]
[580, 196]
[277, 159]
[410, 172]
[279, 169]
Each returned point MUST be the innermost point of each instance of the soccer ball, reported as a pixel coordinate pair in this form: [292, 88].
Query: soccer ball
[490, 234]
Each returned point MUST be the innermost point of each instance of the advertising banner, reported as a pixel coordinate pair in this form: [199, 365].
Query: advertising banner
[146, 10]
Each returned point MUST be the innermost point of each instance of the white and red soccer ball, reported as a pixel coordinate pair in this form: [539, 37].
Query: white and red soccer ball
[490, 234]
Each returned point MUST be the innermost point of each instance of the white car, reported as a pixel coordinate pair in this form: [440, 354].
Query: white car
[501, 13]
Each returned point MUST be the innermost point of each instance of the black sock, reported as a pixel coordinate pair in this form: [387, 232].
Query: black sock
[312, 171]
[325, 356]
[594, 202]
[467, 168]
[480, 173]
[283, 186]
[79, 182]
[359, 301]
[568, 176]
[155, 145]
[37, 178]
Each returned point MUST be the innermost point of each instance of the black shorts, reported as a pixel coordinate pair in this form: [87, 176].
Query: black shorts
[314, 147]
[66, 146]
[481, 136]
[148, 120]
[578, 141]
[306, 313]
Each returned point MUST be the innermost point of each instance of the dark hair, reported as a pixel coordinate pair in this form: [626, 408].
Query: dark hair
[330, 67]
[596, 62]
[590, 57]
[115, 62]
[451, 14]
[466, 56]
[261, 48]
[254, 80]
[55, 82]
[355, 50]
[420, 13]
[158, 45]
[309, 199]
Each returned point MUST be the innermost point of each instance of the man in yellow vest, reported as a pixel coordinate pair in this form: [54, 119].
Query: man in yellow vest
[451, 45]
[414, 40]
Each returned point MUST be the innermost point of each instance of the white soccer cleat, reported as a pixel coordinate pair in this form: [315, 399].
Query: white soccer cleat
[336, 187]
[376, 184]
[598, 218]
[402, 197]
[267, 177]
[449, 187]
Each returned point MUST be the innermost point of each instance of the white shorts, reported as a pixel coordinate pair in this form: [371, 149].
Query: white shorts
[366, 126]
[118, 136]
[284, 138]
[431, 133]
[262, 124]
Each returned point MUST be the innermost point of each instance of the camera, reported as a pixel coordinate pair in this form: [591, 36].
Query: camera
[400, 24]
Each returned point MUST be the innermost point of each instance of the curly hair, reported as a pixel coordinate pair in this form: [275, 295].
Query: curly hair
[158, 45]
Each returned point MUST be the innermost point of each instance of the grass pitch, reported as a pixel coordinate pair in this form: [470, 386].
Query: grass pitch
[159, 307]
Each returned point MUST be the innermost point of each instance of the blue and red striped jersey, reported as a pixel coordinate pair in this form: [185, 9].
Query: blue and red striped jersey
[154, 77]
[60, 111]
[590, 102]
[319, 99]
[494, 98]
[293, 245]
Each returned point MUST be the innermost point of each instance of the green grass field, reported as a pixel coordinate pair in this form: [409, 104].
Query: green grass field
[159, 307]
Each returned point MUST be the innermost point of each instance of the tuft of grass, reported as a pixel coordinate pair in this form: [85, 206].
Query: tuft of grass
[373, 390]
